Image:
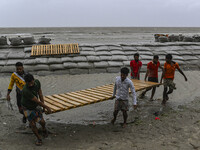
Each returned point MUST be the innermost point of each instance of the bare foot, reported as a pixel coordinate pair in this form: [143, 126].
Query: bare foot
[151, 99]
[124, 125]
[167, 97]
[113, 121]
[163, 102]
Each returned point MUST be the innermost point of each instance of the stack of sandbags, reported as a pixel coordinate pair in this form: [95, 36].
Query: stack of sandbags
[3, 40]
[156, 36]
[196, 38]
[15, 41]
[44, 40]
[187, 39]
[173, 38]
[28, 40]
[181, 37]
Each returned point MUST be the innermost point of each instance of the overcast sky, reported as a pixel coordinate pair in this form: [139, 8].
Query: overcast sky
[88, 13]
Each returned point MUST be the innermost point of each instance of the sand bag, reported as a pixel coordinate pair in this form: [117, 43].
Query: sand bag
[187, 39]
[3, 40]
[173, 38]
[16, 41]
[196, 38]
[156, 36]
[163, 39]
[28, 40]
[44, 40]
[181, 37]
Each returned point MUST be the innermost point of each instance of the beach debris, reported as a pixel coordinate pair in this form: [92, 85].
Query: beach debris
[3, 40]
[4, 123]
[157, 118]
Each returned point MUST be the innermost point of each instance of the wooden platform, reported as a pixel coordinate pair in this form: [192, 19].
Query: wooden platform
[56, 49]
[61, 102]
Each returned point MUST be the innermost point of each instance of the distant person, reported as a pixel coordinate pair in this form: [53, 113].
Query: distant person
[152, 74]
[168, 76]
[32, 97]
[121, 90]
[135, 66]
[18, 79]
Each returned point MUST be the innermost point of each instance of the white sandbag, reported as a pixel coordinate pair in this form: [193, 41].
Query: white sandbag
[44, 40]
[3, 40]
[28, 40]
[15, 41]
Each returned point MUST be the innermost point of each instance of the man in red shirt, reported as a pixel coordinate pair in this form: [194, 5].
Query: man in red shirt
[135, 65]
[152, 73]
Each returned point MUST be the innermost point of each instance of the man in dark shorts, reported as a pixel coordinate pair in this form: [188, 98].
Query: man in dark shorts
[18, 79]
[121, 90]
[168, 75]
[152, 74]
[32, 98]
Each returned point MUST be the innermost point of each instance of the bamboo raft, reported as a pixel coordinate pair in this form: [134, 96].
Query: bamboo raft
[61, 102]
[56, 49]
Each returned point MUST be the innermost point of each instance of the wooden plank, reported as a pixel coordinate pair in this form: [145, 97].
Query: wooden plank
[55, 103]
[51, 49]
[65, 48]
[32, 50]
[99, 98]
[64, 99]
[53, 107]
[69, 98]
[104, 91]
[71, 49]
[102, 95]
[37, 50]
[82, 98]
[100, 92]
[59, 101]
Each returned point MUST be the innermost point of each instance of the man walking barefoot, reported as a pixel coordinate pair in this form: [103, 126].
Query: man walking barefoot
[168, 76]
[121, 90]
[32, 97]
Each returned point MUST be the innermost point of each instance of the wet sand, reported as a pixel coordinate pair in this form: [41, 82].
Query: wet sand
[89, 127]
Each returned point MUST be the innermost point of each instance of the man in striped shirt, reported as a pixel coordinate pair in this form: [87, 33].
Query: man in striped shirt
[121, 91]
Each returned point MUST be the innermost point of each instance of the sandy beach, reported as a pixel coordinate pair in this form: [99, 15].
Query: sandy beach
[89, 127]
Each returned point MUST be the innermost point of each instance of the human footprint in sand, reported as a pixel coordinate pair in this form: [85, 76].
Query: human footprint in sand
[168, 76]
[30, 102]
[121, 90]
[152, 74]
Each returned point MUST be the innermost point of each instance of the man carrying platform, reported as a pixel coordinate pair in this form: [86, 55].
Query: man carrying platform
[135, 66]
[121, 90]
[18, 79]
[168, 76]
[152, 73]
[31, 106]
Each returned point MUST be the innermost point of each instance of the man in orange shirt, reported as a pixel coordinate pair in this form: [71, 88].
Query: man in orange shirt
[152, 73]
[168, 76]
